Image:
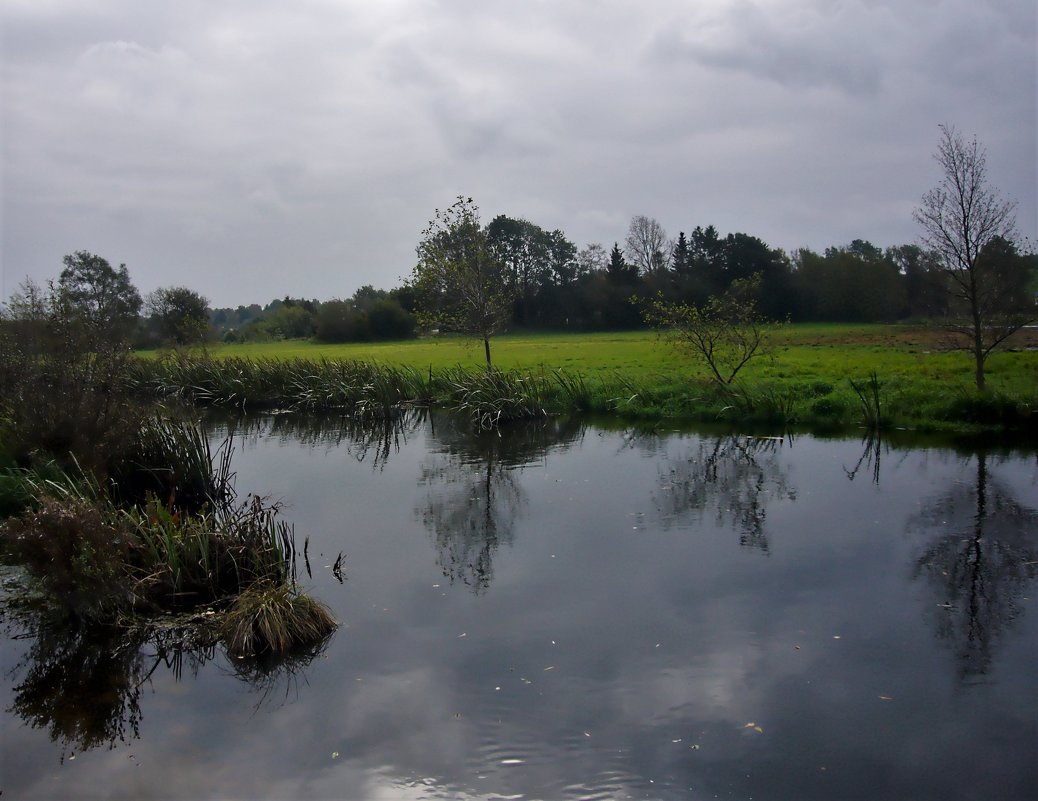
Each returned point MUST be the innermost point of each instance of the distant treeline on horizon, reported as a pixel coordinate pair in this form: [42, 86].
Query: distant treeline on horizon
[558, 287]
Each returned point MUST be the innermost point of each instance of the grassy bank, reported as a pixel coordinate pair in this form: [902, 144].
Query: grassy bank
[827, 376]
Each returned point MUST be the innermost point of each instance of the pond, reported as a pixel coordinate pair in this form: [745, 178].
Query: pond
[569, 609]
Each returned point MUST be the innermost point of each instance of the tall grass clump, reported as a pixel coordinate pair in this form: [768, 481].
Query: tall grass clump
[124, 512]
[493, 397]
[767, 404]
[172, 460]
[871, 400]
[575, 391]
[273, 618]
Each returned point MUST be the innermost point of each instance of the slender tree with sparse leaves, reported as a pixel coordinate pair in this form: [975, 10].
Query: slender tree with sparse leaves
[460, 279]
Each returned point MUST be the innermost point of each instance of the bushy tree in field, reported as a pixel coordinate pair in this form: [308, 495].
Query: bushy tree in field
[724, 334]
[371, 315]
[180, 316]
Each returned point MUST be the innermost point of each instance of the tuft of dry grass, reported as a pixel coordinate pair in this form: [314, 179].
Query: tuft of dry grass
[274, 618]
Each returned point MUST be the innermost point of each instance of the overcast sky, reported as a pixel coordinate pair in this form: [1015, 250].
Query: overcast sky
[250, 149]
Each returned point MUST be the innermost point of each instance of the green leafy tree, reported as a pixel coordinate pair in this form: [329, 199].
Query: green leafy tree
[179, 315]
[618, 270]
[98, 297]
[524, 250]
[858, 283]
[64, 351]
[681, 256]
[460, 278]
[962, 220]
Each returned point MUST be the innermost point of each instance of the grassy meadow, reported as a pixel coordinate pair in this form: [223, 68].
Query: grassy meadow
[807, 377]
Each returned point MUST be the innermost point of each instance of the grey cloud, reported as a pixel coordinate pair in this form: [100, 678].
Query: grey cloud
[813, 49]
[212, 143]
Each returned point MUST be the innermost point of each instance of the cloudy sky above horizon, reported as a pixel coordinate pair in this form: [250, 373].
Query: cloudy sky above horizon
[251, 149]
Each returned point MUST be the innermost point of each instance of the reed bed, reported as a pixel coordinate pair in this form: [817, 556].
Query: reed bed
[493, 397]
[354, 387]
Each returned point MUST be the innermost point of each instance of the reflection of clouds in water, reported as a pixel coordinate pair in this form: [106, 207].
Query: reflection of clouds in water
[703, 692]
[615, 712]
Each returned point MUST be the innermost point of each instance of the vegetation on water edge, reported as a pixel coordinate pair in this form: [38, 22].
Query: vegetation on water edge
[117, 511]
[107, 558]
[808, 379]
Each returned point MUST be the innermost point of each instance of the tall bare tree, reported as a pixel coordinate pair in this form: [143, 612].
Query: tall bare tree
[646, 245]
[967, 224]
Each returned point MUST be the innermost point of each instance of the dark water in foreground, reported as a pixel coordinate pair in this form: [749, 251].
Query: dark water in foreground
[565, 611]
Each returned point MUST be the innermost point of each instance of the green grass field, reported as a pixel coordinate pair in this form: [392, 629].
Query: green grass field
[806, 352]
[807, 375]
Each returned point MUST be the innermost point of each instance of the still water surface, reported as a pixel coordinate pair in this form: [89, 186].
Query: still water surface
[565, 610]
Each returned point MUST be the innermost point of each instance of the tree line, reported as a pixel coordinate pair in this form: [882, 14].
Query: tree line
[512, 273]
[551, 285]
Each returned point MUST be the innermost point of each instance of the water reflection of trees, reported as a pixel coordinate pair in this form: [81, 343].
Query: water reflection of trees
[83, 687]
[474, 495]
[372, 440]
[981, 556]
[734, 476]
[83, 684]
